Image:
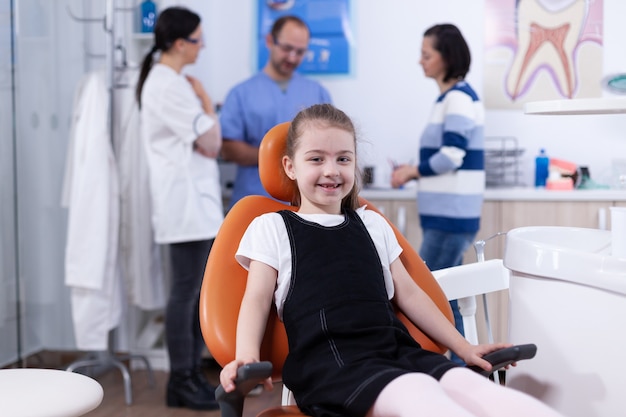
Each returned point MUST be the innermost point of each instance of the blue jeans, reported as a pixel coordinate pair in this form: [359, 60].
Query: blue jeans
[442, 250]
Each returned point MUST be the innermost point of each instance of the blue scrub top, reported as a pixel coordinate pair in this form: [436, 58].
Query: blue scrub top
[256, 105]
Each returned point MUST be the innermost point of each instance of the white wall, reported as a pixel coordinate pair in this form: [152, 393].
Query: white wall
[387, 94]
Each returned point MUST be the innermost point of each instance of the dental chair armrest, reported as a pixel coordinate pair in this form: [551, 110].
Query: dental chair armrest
[504, 357]
[248, 377]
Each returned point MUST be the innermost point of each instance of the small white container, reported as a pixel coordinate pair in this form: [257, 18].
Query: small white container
[618, 231]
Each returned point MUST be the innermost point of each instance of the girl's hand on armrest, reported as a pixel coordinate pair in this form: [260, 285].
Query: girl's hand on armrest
[229, 374]
[473, 354]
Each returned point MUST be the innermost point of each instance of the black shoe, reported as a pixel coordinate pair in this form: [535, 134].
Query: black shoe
[185, 389]
[200, 377]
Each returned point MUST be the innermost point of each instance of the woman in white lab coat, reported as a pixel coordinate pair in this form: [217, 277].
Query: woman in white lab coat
[182, 138]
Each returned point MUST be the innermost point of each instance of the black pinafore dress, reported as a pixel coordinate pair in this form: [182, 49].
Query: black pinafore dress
[345, 341]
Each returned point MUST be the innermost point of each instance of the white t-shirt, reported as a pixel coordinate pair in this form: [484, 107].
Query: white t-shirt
[266, 241]
[185, 187]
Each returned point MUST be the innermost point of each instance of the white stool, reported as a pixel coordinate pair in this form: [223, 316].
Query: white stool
[29, 392]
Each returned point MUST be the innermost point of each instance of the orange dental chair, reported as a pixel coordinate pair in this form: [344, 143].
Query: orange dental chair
[225, 281]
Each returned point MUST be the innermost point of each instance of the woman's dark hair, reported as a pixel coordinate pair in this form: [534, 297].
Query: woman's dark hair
[173, 23]
[449, 42]
[325, 115]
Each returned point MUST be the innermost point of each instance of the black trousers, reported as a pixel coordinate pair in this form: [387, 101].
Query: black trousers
[182, 323]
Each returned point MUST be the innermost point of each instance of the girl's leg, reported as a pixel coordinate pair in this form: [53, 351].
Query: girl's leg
[414, 395]
[484, 398]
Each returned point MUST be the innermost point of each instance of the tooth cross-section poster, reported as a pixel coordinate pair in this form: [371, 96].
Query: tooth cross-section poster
[542, 50]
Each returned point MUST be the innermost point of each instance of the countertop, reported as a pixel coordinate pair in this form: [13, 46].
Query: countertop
[507, 194]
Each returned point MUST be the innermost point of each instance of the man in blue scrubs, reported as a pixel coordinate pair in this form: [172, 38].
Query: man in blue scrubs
[272, 96]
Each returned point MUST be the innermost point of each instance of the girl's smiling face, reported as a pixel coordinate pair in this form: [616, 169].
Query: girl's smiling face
[323, 166]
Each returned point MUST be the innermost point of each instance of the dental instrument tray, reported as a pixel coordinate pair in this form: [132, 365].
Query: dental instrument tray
[502, 161]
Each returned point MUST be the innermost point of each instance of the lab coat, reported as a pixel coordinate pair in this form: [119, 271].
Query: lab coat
[91, 194]
[185, 186]
[140, 256]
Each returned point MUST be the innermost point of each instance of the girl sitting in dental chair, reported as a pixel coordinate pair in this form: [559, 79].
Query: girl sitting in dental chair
[333, 271]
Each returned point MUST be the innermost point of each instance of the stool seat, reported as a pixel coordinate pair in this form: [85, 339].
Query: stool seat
[28, 392]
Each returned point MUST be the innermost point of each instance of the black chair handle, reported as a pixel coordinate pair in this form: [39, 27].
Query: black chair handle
[248, 377]
[504, 357]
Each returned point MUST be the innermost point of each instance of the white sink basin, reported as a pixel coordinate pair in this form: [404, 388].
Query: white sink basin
[566, 253]
[568, 295]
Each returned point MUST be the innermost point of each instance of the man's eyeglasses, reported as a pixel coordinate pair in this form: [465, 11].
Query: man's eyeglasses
[289, 49]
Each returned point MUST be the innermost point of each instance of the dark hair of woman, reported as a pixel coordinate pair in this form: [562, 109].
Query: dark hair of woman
[173, 23]
[449, 42]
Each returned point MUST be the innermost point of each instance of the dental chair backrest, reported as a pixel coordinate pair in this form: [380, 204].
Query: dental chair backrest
[225, 280]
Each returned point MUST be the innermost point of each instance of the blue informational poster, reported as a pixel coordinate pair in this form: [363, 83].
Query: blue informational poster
[328, 20]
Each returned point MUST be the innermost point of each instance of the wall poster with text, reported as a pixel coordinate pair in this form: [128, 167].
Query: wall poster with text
[542, 50]
[331, 36]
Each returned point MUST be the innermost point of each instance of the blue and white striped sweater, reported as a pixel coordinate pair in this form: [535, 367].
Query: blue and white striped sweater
[452, 175]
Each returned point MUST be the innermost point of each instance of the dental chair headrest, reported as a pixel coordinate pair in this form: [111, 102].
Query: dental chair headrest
[271, 152]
